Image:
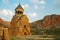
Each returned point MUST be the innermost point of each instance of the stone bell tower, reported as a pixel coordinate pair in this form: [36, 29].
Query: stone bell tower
[20, 23]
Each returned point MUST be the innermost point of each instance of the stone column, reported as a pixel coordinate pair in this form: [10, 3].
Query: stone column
[6, 34]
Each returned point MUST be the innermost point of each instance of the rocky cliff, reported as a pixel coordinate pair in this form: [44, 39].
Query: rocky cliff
[46, 22]
[4, 23]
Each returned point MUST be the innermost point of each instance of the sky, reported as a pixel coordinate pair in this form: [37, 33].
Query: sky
[33, 9]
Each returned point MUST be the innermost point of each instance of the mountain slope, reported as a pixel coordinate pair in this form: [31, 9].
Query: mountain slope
[4, 23]
[49, 20]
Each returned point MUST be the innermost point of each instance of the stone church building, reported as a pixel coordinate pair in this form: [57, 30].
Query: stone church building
[20, 24]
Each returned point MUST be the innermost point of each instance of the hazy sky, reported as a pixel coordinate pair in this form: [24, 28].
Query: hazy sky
[34, 9]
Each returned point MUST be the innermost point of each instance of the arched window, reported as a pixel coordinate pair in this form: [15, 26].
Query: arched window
[21, 12]
[18, 12]
[25, 33]
[24, 26]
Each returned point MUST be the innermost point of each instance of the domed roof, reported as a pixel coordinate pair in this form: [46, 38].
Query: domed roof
[19, 7]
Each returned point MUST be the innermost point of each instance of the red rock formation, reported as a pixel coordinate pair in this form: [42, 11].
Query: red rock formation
[1, 22]
[49, 20]
[4, 23]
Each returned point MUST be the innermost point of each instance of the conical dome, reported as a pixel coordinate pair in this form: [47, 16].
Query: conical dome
[19, 7]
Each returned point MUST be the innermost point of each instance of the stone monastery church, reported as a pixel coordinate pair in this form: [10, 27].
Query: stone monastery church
[20, 23]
